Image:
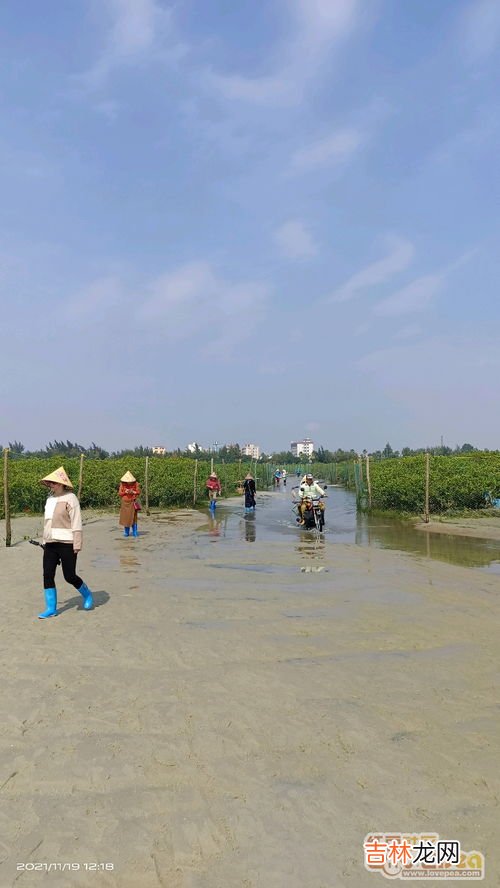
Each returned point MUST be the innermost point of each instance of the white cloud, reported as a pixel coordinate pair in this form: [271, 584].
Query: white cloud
[412, 298]
[408, 332]
[256, 90]
[316, 25]
[400, 255]
[95, 300]
[134, 24]
[134, 29]
[193, 300]
[479, 29]
[190, 303]
[324, 20]
[336, 148]
[294, 240]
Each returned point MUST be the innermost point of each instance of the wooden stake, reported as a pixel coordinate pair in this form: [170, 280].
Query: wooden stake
[195, 480]
[211, 464]
[427, 478]
[6, 501]
[80, 477]
[369, 483]
[146, 485]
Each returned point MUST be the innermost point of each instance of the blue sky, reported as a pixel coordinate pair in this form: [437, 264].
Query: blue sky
[244, 222]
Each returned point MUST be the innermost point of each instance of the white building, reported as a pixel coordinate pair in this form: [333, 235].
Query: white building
[194, 447]
[159, 451]
[304, 447]
[252, 450]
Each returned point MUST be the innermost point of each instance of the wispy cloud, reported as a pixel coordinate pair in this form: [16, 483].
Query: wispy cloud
[321, 21]
[413, 297]
[335, 148]
[95, 300]
[194, 300]
[188, 304]
[135, 27]
[295, 241]
[408, 332]
[255, 90]
[479, 29]
[314, 26]
[398, 258]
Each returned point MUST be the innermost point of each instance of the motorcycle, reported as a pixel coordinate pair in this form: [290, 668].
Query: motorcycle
[313, 514]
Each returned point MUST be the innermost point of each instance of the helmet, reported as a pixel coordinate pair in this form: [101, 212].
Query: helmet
[309, 475]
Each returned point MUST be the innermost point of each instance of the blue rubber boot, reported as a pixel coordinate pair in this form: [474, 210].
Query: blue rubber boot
[212, 505]
[134, 530]
[51, 602]
[126, 531]
[88, 601]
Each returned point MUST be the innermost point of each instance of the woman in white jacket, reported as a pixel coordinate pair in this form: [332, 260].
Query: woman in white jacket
[62, 540]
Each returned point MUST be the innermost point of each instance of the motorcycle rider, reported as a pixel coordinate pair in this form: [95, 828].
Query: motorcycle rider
[309, 489]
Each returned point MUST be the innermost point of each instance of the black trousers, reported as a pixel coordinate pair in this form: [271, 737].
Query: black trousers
[54, 553]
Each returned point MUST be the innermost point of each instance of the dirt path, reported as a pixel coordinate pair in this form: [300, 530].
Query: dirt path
[242, 715]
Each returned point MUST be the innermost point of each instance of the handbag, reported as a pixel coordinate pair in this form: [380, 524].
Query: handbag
[137, 506]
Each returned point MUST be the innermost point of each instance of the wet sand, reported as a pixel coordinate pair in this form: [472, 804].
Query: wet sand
[242, 714]
[483, 527]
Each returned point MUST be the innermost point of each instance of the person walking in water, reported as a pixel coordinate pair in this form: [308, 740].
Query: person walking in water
[214, 488]
[129, 491]
[249, 488]
[62, 540]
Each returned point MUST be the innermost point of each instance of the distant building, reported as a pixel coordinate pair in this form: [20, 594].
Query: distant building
[302, 448]
[194, 447]
[159, 451]
[252, 450]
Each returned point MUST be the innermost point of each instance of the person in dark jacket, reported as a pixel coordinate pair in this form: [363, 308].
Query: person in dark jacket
[249, 489]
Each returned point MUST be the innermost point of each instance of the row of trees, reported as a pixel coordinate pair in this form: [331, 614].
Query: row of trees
[231, 453]
[442, 450]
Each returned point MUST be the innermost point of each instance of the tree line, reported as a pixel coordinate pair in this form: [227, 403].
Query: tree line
[231, 453]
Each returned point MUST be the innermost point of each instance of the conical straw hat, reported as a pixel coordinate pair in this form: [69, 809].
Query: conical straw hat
[59, 476]
[128, 476]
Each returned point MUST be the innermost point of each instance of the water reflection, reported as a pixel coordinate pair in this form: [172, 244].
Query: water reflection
[394, 534]
[129, 562]
[216, 526]
[249, 528]
[345, 525]
[311, 545]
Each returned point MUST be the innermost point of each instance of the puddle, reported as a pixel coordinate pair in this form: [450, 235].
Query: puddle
[258, 568]
[274, 520]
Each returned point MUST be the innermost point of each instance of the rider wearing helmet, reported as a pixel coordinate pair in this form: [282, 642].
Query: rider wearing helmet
[308, 489]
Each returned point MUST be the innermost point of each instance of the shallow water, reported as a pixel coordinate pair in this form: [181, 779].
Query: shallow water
[274, 519]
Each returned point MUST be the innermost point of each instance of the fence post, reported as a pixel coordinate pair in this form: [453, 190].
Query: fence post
[6, 501]
[427, 478]
[195, 481]
[80, 477]
[146, 485]
[368, 481]
[357, 483]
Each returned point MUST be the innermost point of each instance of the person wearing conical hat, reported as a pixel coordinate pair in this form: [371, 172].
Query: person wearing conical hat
[62, 540]
[129, 491]
[249, 489]
[214, 489]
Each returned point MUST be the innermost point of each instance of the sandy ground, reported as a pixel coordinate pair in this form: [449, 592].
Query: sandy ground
[241, 716]
[486, 528]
